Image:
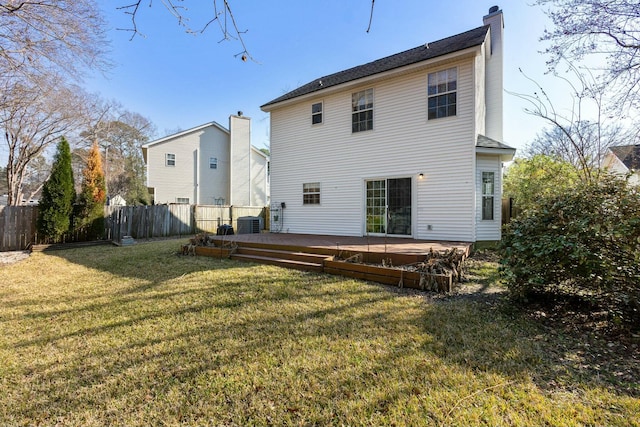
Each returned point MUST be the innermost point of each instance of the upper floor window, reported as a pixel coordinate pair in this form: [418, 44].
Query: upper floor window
[316, 113]
[213, 163]
[443, 86]
[311, 193]
[488, 192]
[169, 159]
[362, 110]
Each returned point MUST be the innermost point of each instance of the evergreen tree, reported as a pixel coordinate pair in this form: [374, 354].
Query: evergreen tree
[4, 188]
[58, 195]
[93, 194]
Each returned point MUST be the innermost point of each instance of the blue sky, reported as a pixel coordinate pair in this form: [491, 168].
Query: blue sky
[180, 80]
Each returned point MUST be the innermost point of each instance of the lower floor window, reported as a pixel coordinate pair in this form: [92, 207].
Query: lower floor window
[311, 193]
[488, 191]
[184, 200]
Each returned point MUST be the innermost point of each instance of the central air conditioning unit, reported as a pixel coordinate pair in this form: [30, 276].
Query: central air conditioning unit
[249, 225]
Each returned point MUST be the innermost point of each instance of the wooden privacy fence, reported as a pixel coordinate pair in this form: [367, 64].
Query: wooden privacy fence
[509, 210]
[17, 227]
[144, 222]
[18, 223]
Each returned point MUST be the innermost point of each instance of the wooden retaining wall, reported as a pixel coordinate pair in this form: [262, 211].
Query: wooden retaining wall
[390, 276]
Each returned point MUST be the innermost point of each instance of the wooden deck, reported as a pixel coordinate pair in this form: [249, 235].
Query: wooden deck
[330, 244]
[331, 254]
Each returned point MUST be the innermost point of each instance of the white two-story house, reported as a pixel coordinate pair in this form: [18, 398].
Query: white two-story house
[208, 165]
[409, 145]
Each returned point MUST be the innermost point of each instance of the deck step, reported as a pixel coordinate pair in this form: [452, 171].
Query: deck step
[281, 262]
[280, 254]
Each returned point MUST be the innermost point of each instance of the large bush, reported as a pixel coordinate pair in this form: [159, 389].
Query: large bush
[584, 242]
[526, 180]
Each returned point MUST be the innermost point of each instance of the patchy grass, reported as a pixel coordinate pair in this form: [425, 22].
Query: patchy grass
[140, 336]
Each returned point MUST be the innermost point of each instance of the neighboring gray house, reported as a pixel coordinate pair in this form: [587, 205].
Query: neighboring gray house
[208, 165]
[622, 159]
[409, 145]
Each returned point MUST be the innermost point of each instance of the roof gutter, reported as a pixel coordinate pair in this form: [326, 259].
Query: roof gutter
[506, 154]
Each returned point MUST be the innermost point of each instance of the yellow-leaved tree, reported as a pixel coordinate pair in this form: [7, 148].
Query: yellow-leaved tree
[93, 195]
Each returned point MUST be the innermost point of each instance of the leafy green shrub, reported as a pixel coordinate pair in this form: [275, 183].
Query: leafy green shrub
[584, 242]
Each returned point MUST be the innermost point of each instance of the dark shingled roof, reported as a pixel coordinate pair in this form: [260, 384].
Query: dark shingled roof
[628, 154]
[421, 53]
[486, 142]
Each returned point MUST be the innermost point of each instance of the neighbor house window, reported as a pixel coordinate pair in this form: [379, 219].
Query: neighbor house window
[311, 193]
[488, 191]
[184, 200]
[316, 113]
[213, 163]
[443, 86]
[170, 159]
[362, 110]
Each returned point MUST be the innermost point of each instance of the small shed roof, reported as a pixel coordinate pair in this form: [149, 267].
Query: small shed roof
[486, 145]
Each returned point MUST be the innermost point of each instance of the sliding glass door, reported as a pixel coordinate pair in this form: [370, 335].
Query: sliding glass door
[388, 207]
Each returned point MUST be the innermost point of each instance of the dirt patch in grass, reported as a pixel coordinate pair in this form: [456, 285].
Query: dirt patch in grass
[13, 257]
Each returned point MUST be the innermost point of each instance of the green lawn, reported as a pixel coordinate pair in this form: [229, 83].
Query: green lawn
[141, 336]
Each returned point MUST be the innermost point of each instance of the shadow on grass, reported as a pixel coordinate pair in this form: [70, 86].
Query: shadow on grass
[195, 340]
[156, 260]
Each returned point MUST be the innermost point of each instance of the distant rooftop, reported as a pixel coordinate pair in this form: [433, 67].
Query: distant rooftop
[628, 154]
[421, 53]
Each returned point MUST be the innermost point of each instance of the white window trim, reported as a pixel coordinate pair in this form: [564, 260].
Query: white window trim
[372, 109]
[213, 161]
[166, 159]
[483, 195]
[320, 113]
[319, 193]
[444, 93]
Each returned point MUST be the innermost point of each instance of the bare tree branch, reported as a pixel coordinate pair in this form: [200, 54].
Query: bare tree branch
[371, 16]
[37, 116]
[50, 36]
[582, 134]
[222, 14]
[608, 30]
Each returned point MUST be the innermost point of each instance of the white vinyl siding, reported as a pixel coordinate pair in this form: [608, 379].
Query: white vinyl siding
[404, 143]
[259, 178]
[180, 181]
